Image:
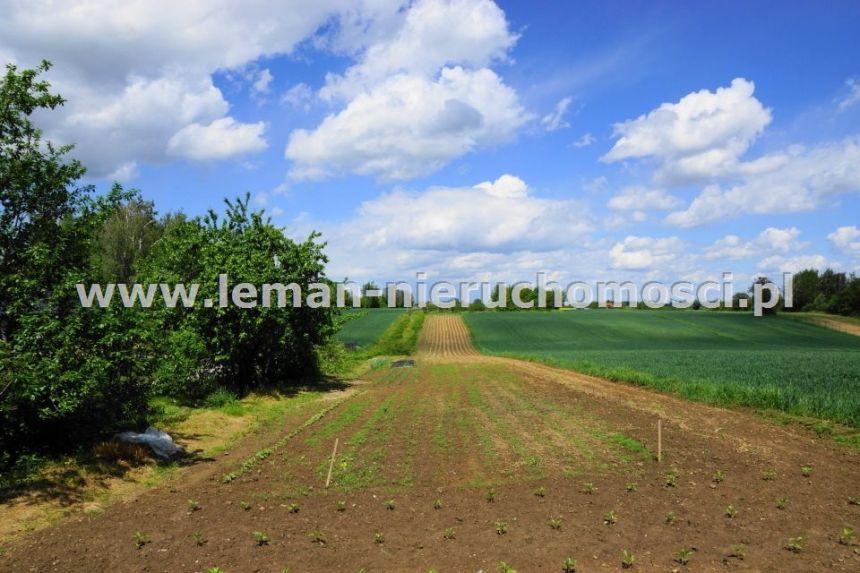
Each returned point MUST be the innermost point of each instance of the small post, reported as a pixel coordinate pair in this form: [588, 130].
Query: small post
[659, 440]
[331, 464]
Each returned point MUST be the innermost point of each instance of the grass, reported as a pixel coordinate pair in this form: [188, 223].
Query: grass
[363, 327]
[725, 358]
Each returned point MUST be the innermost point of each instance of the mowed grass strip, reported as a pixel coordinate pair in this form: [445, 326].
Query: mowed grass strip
[714, 357]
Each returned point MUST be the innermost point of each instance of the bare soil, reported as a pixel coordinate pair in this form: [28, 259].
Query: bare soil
[451, 430]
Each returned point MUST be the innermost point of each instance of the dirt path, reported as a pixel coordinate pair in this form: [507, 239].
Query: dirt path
[437, 438]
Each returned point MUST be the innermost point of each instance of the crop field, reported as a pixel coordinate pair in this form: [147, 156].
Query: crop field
[363, 327]
[468, 462]
[775, 363]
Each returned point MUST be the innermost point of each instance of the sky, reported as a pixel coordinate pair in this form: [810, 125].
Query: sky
[473, 140]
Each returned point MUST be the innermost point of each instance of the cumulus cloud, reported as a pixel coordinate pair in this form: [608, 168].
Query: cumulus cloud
[220, 139]
[637, 198]
[698, 137]
[555, 119]
[771, 240]
[853, 95]
[808, 179]
[584, 141]
[846, 240]
[261, 84]
[781, 264]
[645, 253]
[408, 126]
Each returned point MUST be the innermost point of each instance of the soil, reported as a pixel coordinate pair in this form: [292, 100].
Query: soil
[451, 429]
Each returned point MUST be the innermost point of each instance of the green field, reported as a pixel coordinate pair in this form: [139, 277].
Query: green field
[721, 358]
[364, 326]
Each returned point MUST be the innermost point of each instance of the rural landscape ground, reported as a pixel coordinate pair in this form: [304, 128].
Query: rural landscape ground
[472, 462]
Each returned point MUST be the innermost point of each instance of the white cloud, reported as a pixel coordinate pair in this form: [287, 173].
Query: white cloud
[645, 253]
[846, 239]
[584, 141]
[853, 95]
[277, 211]
[300, 96]
[555, 120]
[408, 126]
[780, 264]
[221, 139]
[637, 198]
[261, 84]
[701, 136]
[506, 187]
[771, 240]
[808, 179]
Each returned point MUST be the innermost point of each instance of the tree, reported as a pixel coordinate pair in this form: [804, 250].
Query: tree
[125, 238]
[766, 295]
[367, 301]
[806, 286]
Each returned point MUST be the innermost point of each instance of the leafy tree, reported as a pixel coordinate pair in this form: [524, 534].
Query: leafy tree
[806, 286]
[374, 301]
[125, 238]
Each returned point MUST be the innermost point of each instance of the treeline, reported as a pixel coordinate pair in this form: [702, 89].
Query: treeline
[69, 374]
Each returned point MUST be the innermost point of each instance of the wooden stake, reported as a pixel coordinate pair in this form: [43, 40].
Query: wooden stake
[659, 440]
[331, 465]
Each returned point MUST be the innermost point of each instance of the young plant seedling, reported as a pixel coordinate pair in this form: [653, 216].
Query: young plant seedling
[738, 551]
[505, 568]
[854, 501]
[672, 478]
[390, 505]
[501, 527]
[781, 502]
[795, 544]
[193, 505]
[806, 471]
[140, 539]
[491, 495]
[555, 523]
[569, 565]
[317, 537]
[198, 538]
[340, 506]
[671, 518]
[261, 538]
[683, 556]
[293, 508]
[437, 504]
[610, 517]
[245, 505]
[769, 475]
[627, 559]
[631, 487]
[379, 537]
[719, 476]
[731, 511]
[540, 492]
[588, 488]
[214, 570]
[449, 534]
[846, 536]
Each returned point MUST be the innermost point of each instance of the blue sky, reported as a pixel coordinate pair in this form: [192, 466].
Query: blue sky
[473, 140]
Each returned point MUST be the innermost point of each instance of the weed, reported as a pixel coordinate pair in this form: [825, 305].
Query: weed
[286, 570]
[340, 506]
[390, 505]
[719, 476]
[768, 475]
[449, 533]
[379, 537]
[781, 502]
[261, 538]
[198, 538]
[671, 518]
[140, 539]
[245, 505]
[627, 559]
[795, 544]
[846, 536]
[806, 471]
[229, 477]
[437, 504]
[491, 495]
[317, 537]
[610, 517]
[555, 523]
[193, 505]
[631, 487]
[540, 492]
[738, 551]
[214, 570]
[501, 527]
[683, 556]
[731, 511]
[293, 508]
[854, 501]
[588, 488]
[672, 478]
[569, 565]
[505, 568]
